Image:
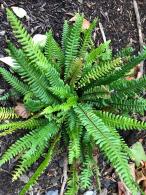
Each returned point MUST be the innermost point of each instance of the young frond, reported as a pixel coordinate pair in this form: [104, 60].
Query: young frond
[87, 37]
[65, 35]
[73, 181]
[96, 53]
[73, 43]
[53, 52]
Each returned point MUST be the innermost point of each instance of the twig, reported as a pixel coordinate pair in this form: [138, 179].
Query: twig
[64, 176]
[141, 43]
[102, 32]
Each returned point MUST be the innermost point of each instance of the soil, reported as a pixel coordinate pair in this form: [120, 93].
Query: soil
[119, 22]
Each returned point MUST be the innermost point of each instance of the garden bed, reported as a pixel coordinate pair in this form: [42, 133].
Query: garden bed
[119, 22]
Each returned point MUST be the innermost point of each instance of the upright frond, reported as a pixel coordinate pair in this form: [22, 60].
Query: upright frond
[73, 44]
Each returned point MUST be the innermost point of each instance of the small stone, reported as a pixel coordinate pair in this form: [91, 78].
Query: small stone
[90, 192]
[2, 33]
[80, 1]
[24, 178]
[52, 192]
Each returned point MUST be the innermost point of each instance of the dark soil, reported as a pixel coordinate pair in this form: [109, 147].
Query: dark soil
[119, 22]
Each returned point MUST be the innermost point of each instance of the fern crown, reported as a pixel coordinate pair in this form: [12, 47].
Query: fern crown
[76, 93]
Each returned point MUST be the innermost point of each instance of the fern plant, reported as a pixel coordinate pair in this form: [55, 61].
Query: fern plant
[75, 93]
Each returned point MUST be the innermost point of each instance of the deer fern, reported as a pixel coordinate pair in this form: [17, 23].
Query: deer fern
[76, 93]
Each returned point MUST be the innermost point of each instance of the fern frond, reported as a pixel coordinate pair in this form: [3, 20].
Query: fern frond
[27, 160]
[41, 167]
[87, 36]
[73, 44]
[37, 82]
[120, 122]
[65, 35]
[4, 97]
[129, 88]
[125, 69]
[7, 113]
[96, 53]
[65, 106]
[99, 72]
[73, 181]
[14, 82]
[129, 105]
[9, 128]
[53, 52]
[33, 52]
[101, 135]
[26, 142]
[75, 71]
[96, 93]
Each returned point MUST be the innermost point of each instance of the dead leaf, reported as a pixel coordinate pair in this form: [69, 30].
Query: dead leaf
[86, 23]
[20, 12]
[9, 61]
[121, 189]
[21, 110]
[40, 39]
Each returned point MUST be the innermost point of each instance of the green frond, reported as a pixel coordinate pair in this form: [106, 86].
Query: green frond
[73, 44]
[9, 128]
[120, 122]
[35, 56]
[125, 69]
[129, 105]
[75, 71]
[96, 53]
[53, 52]
[87, 36]
[37, 82]
[64, 106]
[7, 113]
[125, 52]
[97, 92]
[87, 169]
[101, 134]
[27, 160]
[65, 35]
[73, 181]
[42, 166]
[14, 82]
[128, 88]
[63, 92]
[4, 97]
[29, 140]
[99, 71]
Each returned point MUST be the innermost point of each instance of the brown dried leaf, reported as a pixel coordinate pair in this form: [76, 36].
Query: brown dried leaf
[86, 23]
[121, 189]
[21, 110]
